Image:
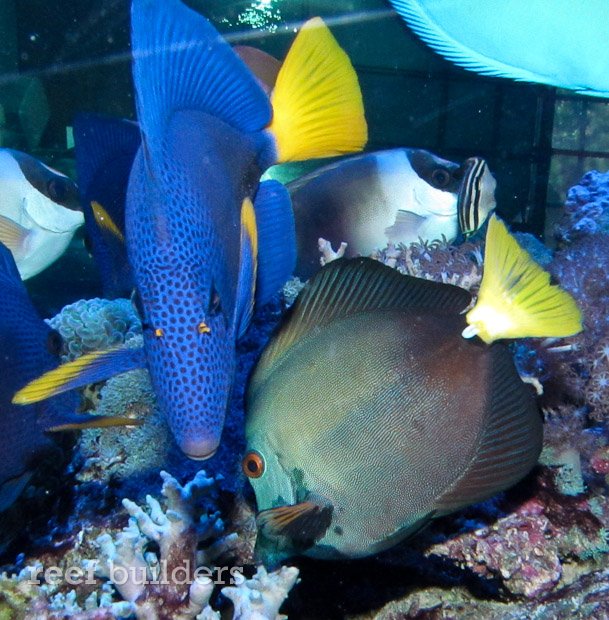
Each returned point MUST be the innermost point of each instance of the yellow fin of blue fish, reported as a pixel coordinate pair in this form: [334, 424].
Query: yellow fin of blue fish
[105, 222]
[516, 299]
[89, 368]
[317, 103]
[12, 234]
[276, 239]
[349, 286]
[248, 267]
[81, 421]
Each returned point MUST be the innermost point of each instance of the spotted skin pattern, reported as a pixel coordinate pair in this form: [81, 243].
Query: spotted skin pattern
[183, 231]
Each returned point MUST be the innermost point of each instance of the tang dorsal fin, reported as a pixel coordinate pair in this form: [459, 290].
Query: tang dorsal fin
[99, 142]
[349, 286]
[181, 62]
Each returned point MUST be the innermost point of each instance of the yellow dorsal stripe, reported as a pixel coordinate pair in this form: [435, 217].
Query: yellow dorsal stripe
[516, 299]
[318, 109]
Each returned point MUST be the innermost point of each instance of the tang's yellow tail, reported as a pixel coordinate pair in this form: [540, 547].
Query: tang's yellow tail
[516, 299]
[317, 103]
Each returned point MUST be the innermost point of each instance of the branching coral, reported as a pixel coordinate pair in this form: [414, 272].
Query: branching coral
[582, 268]
[165, 583]
[177, 579]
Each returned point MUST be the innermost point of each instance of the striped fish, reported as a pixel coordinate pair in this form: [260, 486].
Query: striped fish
[476, 196]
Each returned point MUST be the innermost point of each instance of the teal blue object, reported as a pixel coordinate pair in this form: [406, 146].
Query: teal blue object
[560, 43]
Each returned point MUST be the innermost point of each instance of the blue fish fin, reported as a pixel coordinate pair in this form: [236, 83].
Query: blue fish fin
[348, 286]
[99, 141]
[12, 488]
[276, 239]
[510, 440]
[89, 368]
[81, 421]
[248, 267]
[180, 62]
[433, 35]
[12, 235]
[8, 267]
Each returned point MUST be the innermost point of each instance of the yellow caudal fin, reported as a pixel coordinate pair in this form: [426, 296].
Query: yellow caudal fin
[516, 299]
[317, 103]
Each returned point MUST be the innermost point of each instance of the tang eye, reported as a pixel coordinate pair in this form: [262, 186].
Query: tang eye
[253, 464]
[57, 189]
[214, 305]
[440, 177]
[158, 332]
[203, 328]
[54, 342]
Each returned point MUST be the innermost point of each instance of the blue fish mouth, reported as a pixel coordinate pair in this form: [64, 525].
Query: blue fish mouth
[201, 457]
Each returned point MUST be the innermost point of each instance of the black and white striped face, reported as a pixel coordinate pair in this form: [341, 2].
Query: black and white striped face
[476, 195]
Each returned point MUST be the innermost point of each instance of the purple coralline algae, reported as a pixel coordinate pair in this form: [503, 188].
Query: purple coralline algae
[586, 209]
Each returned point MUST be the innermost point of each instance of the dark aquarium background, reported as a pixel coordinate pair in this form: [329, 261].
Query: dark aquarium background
[540, 549]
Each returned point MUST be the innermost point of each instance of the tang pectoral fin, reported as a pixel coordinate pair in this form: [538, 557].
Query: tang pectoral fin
[296, 527]
[81, 421]
[405, 227]
[90, 368]
[12, 234]
[277, 239]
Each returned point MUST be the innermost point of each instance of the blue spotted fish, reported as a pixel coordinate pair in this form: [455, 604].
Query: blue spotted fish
[29, 347]
[205, 238]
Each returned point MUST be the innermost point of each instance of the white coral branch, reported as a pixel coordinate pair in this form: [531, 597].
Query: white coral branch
[327, 253]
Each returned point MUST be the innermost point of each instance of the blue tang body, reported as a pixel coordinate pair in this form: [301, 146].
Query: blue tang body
[28, 347]
[190, 195]
[206, 240]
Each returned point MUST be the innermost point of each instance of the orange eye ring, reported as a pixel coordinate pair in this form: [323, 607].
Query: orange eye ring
[253, 464]
[158, 332]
